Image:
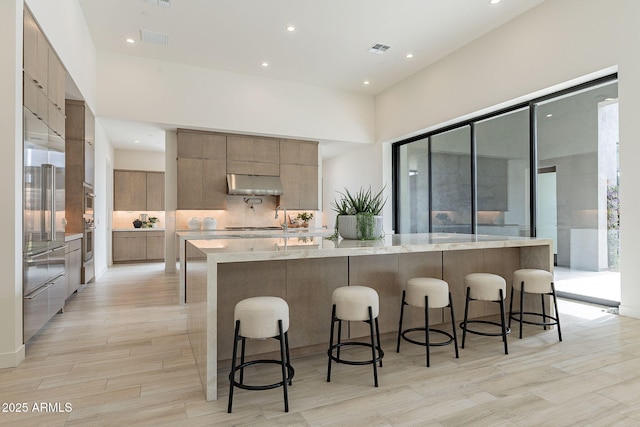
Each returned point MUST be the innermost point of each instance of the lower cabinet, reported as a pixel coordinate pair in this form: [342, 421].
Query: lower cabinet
[138, 246]
[42, 305]
[73, 266]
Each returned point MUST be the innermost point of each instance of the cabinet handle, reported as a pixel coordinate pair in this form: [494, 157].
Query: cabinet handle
[40, 290]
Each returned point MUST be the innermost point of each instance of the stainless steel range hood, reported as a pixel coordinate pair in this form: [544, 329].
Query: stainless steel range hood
[254, 185]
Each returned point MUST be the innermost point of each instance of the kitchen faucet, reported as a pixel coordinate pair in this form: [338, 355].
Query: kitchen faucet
[286, 220]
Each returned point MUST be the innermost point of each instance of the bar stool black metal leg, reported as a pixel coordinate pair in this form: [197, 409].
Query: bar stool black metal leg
[511, 308]
[544, 313]
[243, 344]
[373, 348]
[378, 338]
[333, 321]
[453, 326]
[400, 323]
[426, 329]
[286, 346]
[502, 322]
[466, 314]
[283, 358]
[555, 303]
[233, 365]
[521, 307]
[339, 337]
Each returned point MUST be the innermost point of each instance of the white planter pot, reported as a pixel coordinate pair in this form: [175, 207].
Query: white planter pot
[348, 227]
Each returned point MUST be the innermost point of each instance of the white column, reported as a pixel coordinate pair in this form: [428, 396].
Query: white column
[11, 347]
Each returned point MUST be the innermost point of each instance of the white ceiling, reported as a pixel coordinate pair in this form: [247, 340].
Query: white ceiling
[329, 47]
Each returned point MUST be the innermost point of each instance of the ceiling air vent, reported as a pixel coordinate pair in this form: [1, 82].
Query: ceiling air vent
[165, 3]
[154, 37]
[379, 48]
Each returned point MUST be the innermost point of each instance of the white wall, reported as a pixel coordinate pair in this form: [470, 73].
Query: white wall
[103, 188]
[11, 348]
[557, 44]
[139, 160]
[154, 91]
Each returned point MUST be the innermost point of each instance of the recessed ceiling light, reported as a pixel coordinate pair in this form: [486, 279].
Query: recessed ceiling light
[409, 55]
[291, 28]
[549, 115]
[265, 64]
[494, 1]
[129, 40]
[136, 141]
[366, 82]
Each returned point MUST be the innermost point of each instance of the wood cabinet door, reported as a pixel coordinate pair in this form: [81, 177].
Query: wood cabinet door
[309, 153]
[240, 148]
[129, 246]
[155, 191]
[129, 191]
[190, 181]
[214, 184]
[155, 245]
[189, 145]
[266, 150]
[42, 68]
[289, 176]
[214, 146]
[308, 187]
[30, 45]
[289, 152]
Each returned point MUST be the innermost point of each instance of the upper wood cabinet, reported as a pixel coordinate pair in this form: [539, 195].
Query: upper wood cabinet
[43, 78]
[80, 131]
[138, 190]
[202, 170]
[294, 152]
[253, 156]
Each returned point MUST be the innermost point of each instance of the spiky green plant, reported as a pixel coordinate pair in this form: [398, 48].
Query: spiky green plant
[364, 204]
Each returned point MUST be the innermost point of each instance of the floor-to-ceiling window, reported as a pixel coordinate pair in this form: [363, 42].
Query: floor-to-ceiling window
[450, 153]
[557, 154]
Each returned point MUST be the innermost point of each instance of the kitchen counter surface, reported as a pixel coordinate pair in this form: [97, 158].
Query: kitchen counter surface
[137, 229]
[293, 247]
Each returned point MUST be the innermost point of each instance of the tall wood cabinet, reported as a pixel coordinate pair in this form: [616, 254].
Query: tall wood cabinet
[138, 190]
[299, 174]
[202, 170]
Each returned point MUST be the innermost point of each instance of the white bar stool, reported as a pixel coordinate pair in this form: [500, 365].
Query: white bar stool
[534, 281]
[427, 293]
[355, 303]
[485, 287]
[261, 318]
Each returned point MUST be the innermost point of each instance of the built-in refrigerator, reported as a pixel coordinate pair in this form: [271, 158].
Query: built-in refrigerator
[44, 278]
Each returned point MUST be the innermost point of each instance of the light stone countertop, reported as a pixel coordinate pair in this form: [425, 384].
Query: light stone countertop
[293, 247]
[137, 229]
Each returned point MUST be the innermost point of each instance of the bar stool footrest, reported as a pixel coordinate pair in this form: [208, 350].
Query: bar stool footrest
[424, 344]
[486, 322]
[290, 374]
[355, 362]
[515, 316]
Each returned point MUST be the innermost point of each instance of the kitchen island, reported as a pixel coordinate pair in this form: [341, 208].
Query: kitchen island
[305, 271]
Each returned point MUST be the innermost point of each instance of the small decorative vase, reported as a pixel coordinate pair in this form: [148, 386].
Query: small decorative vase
[137, 223]
[154, 225]
[194, 223]
[209, 223]
[351, 227]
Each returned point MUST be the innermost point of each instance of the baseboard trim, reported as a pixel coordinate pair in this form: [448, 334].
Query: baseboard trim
[11, 360]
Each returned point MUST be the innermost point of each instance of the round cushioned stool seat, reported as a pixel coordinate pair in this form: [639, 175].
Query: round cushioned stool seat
[419, 287]
[535, 281]
[485, 286]
[259, 316]
[353, 302]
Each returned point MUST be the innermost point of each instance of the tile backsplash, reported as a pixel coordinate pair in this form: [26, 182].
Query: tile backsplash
[242, 211]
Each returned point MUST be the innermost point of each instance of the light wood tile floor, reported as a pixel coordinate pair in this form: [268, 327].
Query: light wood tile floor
[120, 355]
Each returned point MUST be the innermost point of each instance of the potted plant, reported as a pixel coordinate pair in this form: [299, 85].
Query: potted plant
[304, 218]
[359, 214]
